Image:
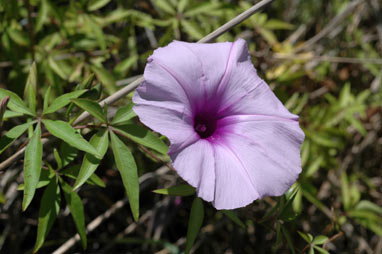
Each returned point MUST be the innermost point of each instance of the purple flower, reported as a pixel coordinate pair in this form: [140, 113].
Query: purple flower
[231, 138]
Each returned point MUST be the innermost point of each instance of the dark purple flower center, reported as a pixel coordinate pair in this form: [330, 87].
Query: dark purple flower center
[205, 124]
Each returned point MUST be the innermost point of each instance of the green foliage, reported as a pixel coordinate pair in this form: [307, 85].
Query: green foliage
[58, 59]
[127, 168]
[194, 223]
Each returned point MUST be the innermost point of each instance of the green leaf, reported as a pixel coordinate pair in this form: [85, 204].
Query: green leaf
[31, 87]
[92, 107]
[13, 134]
[100, 141]
[15, 103]
[57, 158]
[97, 4]
[32, 166]
[57, 67]
[3, 199]
[96, 29]
[191, 29]
[18, 36]
[68, 153]
[142, 136]
[77, 210]
[45, 178]
[321, 250]
[46, 99]
[10, 114]
[3, 106]
[128, 169]
[275, 24]
[345, 191]
[314, 166]
[41, 15]
[62, 101]
[180, 190]
[367, 205]
[65, 132]
[72, 172]
[123, 114]
[194, 223]
[288, 238]
[230, 214]
[165, 6]
[105, 77]
[307, 237]
[321, 239]
[49, 208]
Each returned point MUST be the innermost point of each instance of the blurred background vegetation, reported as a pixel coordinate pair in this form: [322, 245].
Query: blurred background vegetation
[323, 59]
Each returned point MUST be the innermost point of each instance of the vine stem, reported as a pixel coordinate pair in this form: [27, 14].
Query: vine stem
[129, 88]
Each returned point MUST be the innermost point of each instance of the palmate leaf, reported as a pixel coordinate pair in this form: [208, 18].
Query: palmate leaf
[30, 88]
[142, 136]
[32, 166]
[92, 107]
[194, 223]
[62, 101]
[65, 132]
[49, 208]
[100, 141]
[180, 190]
[128, 170]
[15, 103]
[76, 209]
[13, 134]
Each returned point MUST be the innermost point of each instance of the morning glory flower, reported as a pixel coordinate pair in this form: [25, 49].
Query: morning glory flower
[231, 138]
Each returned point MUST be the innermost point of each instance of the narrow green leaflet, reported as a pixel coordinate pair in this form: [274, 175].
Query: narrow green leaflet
[97, 4]
[105, 77]
[77, 210]
[3, 106]
[180, 190]
[321, 239]
[62, 101]
[42, 15]
[123, 114]
[345, 191]
[143, 136]
[230, 214]
[46, 99]
[128, 169]
[30, 88]
[45, 178]
[72, 172]
[65, 132]
[15, 103]
[10, 114]
[67, 153]
[100, 141]
[32, 166]
[92, 107]
[13, 134]
[49, 208]
[194, 223]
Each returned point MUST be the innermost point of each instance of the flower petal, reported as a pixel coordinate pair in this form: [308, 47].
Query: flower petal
[246, 93]
[199, 68]
[270, 150]
[233, 186]
[195, 164]
[173, 123]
